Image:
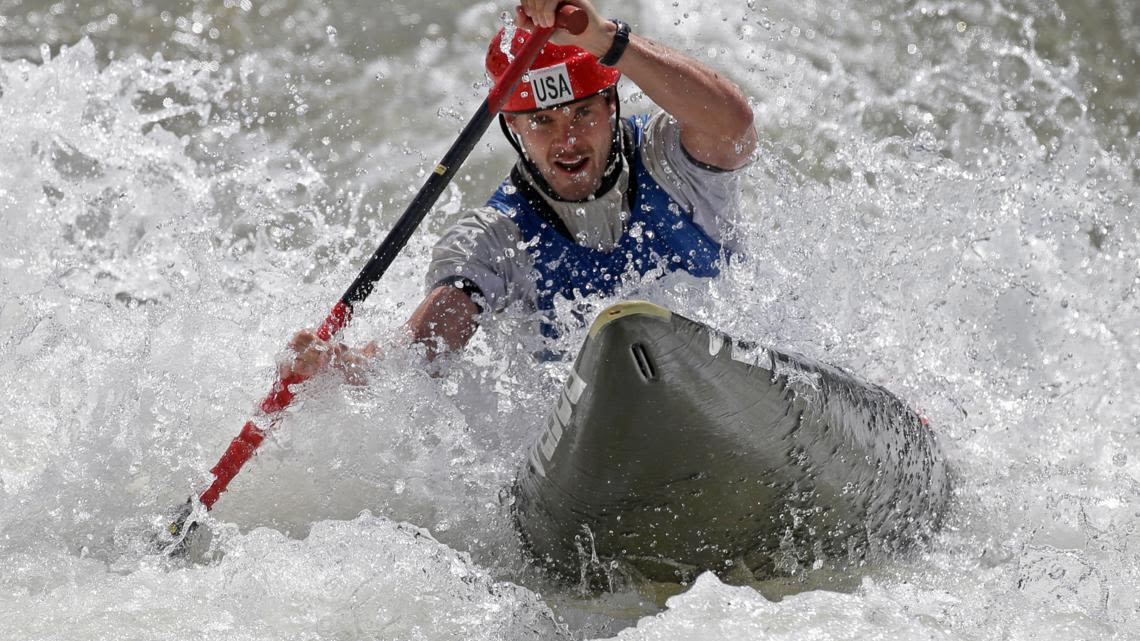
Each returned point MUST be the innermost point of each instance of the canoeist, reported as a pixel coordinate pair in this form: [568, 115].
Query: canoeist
[593, 197]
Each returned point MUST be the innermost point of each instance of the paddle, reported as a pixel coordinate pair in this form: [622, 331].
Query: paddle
[175, 538]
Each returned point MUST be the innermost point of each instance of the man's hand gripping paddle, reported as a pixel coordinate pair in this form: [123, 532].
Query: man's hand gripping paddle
[175, 538]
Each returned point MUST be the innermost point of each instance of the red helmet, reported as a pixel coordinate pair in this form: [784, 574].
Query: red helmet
[558, 76]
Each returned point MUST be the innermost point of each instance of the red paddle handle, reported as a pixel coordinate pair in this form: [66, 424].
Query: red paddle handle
[568, 17]
[251, 436]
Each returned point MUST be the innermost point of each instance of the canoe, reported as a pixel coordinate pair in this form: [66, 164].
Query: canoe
[674, 449]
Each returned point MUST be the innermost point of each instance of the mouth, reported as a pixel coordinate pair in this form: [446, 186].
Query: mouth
[574, 165]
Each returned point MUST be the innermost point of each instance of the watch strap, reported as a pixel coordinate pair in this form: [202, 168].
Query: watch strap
[621, 40]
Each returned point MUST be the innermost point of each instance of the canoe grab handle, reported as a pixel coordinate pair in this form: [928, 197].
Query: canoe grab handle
[643, 362]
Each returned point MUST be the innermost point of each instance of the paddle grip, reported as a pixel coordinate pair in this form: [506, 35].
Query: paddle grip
[570, 18]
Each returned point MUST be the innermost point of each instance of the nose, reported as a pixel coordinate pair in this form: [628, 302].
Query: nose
[567, 134]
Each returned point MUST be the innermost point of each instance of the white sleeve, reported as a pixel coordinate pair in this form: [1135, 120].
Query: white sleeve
[711, 194]
[485, 248]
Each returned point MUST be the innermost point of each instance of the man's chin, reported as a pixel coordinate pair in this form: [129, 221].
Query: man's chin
[574, 189]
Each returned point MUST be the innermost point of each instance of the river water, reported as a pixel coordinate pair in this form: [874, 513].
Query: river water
[945, 202]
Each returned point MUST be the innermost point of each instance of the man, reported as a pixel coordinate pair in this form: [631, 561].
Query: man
[593, 198]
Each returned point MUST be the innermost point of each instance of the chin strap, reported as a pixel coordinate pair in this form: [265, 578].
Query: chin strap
[613, 162]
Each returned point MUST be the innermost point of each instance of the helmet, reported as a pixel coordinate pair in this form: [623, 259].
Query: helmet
[560, 74]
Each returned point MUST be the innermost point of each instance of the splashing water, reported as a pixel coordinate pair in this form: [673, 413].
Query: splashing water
[944, 202]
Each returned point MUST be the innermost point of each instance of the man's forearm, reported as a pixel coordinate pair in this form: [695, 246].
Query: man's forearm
[692, 92]
[715, 117]
[444, 321]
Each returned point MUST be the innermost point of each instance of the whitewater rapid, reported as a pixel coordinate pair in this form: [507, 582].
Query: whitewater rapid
[944, 202]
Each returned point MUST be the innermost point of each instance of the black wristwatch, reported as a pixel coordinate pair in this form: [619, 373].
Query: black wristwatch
[621, 39]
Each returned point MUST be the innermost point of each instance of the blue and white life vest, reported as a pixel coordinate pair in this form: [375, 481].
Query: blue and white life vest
[659, 233]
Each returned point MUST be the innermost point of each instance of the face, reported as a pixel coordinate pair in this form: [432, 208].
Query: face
[569, 144]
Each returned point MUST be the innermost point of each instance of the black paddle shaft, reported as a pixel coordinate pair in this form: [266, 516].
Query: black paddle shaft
[568, 17]
[419, 207]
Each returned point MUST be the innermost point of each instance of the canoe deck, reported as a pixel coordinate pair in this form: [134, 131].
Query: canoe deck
[674, 449]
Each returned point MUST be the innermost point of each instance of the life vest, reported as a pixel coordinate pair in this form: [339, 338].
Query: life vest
[659, 234]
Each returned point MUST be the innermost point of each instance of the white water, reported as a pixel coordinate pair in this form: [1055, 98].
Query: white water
[945, 203]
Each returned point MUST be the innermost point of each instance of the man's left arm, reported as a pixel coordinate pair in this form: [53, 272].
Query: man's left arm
[715, 117]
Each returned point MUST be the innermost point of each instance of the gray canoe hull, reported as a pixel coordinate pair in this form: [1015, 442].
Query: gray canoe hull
[674, 449]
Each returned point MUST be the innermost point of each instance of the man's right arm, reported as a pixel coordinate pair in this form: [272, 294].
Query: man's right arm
[481, 249]
[444, 321]
[478, 255]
